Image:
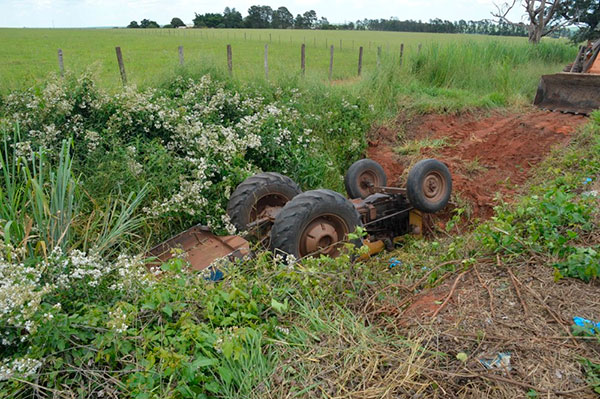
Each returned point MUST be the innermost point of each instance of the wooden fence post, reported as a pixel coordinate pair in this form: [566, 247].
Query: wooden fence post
[181, 55]
[267, 61]
[401, 52]
[378, 56]
[61, 65]
[360, 56]
[121, 65]
[303, 59]
[229, 60]
[331, 63]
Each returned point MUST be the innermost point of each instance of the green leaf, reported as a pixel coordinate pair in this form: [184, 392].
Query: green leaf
[168, 310]
[462, 356]
[204, 362]
[278, 306]
[226, 375]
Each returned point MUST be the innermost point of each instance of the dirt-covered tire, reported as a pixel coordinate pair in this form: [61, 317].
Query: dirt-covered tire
[257, 192]
[360, 174]
[314, 222]
[429, 186]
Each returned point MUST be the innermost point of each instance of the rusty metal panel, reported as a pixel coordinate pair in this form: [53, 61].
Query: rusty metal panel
[201, 247]
[576, 93]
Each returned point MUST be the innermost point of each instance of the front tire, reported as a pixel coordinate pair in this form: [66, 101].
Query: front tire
[315, 222]
[429, 186]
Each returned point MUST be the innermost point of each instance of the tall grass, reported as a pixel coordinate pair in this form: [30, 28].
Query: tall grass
[469, 74]
[39, 206]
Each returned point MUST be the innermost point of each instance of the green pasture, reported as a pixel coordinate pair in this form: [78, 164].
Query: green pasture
[29, 56]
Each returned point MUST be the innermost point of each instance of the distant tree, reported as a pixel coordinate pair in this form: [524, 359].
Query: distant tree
[208, 20]
[282, 19]
[259, 17]
[133, 25]
[167, 26]
[310, 18]
[146, 23]
[324, 24]
[232, 18]
[299, 22]
[177, 22]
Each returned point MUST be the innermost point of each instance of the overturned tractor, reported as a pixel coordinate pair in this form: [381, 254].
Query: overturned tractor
[270, 209]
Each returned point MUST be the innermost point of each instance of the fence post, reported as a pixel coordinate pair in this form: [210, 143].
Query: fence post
[267, 61]
[61, 65]
[401, 52]
[378, 56]
[121, 65]
[181, 55]
[229, 60]
[331, 63]
[303, 59]
[360, 56]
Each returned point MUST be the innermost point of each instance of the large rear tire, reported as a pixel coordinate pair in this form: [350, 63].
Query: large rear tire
[258, 195]
[429, 186]
[315, 222]
[361, 175]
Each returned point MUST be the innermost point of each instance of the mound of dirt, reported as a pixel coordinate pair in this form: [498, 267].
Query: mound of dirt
[486, 154]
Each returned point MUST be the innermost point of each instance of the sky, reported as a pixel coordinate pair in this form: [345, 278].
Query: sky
[95, 13]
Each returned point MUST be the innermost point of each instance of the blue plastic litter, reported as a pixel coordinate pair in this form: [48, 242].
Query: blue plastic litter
[215, 274]
[592, 327]
[587, 180]
[395, 262]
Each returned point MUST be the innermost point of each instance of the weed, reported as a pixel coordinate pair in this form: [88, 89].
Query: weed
[413, 147]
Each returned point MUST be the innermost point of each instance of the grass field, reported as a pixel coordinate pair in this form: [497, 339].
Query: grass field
[30, 55]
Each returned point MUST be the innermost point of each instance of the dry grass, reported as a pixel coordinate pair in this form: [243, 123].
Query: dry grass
[498, 307]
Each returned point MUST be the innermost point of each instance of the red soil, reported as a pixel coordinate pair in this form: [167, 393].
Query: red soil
[486, 154]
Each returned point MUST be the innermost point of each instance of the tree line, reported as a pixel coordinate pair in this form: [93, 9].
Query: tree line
[264, 17]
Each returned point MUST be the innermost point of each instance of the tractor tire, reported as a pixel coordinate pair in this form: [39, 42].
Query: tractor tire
[429, 186]
[359, 174]
[257, 192]
[315, 222]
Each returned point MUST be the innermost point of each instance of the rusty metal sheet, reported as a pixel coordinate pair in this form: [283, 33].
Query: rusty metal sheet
[201, 247]
[576, 93]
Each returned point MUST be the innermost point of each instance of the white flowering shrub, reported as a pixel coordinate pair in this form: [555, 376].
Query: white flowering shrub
[192, 140]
